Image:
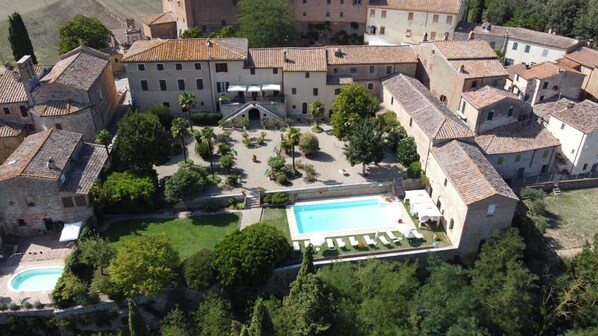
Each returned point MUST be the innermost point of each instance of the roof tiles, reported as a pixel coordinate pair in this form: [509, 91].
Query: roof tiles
[520, 34]
[516, 138]
[9, 129]
[370, 55]
[59, 107]
[487, 96]
[480, 68]
[79, 68]
[304, 59]
[200, 49]
[582, 116]
[159, 18]
[433, 6]
[462, 50]
[585, 56]
[542, 70]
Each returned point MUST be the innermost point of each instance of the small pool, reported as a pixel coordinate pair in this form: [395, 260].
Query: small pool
[36, 279]
[335, 217]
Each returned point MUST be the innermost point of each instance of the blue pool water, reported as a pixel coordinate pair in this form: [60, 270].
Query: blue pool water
[36, 279]
[341, 216]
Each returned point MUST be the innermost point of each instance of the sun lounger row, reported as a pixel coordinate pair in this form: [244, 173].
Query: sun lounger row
[340, 243]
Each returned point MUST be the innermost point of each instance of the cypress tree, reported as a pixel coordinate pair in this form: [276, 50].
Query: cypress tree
[19, 38]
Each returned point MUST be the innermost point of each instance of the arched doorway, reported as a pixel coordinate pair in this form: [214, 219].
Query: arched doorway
[254, 114]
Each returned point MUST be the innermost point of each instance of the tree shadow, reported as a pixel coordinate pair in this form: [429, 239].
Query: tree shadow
[216, 220]
[321, 157]
[331, 182]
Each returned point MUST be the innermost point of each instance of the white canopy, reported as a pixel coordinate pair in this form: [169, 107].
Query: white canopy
[270, 87]
[417, 196]
[237, 88]
[70, 232]
[426, 212]
[254, 88]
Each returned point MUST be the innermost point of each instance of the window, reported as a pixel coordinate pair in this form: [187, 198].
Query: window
[58, 126]
[500, 160]
[449, 19]
[388, 69]
[141, 67]
[541, 98]
[451, 224]
[372, 13]
[563, 126]
[275, 71]
[445, 181]
[463, 108]
[307, 75]
[167, 104]
[474, 84]
[545, 85]
[340, 14]
[337, 92]
[178, 66]
[304, 108]
[353, 70]
[517, 158]
[433, 36]
[370, 86]
[163, 86]
[21, 222]
[315, 91]
[159, 66]
[252, 71]
[408, 33]
[585, 166]
[410, 122]
[199, 84]
[197, 66]
[372, 69]
[6, 110]
[495, 82]
[491, 210]
[490, 115]
[515, 45]
[80, 200]
[383, 14]
[510, 114]
[443, 98]
[221, 67]
[304, 13]
[294, 91]
[223, 22]
[23, 110]
[67, 202]
[545, 154]
[435, 18]
[410, 16]
[545, 53]
[527, 47]
[181, 84]
[327, 14]
[382, 29]
[144, 86]
[222, 86]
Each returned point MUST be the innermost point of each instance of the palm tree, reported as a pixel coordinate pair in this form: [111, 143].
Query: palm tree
[293, 136]
[187, 101]
[316, 109]
[104, 137]
[179, 130]
[207, 134]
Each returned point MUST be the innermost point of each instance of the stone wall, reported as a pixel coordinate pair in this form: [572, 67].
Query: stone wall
[343, 190]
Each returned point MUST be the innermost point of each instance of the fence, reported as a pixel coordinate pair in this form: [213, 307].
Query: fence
[558, 180]
[341, 190]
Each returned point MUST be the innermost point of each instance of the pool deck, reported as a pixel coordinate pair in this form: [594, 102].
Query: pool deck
[39, 252]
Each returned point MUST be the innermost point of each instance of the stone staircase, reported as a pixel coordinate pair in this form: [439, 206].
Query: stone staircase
[252, 199]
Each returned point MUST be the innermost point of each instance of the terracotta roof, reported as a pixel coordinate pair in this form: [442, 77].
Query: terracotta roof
[542, 70]
[10, 129]
[229, 49]
[461, 50]
[516, 138]
[582, 116]
[480, 68]
[436, 120]
[470, 173]
[338, 79]
[11, 88]
[85, 169]
[266, 57]
[79, 68]
[568, 63]
[434, 6]
[512, 70]
[159, 18]
[370, 55]
[59, 107]
[545, 110]
[521, 34]
[305, 59]
[487, 96]
[585, 56]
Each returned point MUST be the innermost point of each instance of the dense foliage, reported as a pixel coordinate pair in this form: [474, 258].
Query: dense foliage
[267, 23]
[193, 32]
[185, 184]
[206, 118]
[163, 113]
[309, 143]
[199, 269]
[89, 30]
[142, 141]
[18, 37]
[353, 104]
[407, 152]
[364, 143]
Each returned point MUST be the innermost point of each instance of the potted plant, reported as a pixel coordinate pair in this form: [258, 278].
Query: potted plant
[244, 122]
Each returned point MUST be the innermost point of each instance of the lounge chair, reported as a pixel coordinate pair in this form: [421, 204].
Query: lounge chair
[296, 246]
[383, 240]
[330, 244]
[340, 242]
[392, 237]
[369, 240]
[416, 234]
[342, 172]
[353, 242]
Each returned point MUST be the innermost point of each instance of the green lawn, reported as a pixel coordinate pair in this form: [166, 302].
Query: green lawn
[187, 235]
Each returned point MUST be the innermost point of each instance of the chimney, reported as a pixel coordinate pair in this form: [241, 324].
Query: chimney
[338, 52]
[284, 55]
[51, 164]
[425, 37]
[570, 105]
[470, 36]
[446, 36]
[130, 23]
[590, 43]
[549, 30]
[25, 67]
[462, 68]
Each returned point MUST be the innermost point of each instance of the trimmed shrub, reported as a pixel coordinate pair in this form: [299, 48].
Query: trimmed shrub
[282, 178]
[27, 305]
[309, 143]
[13, 306]
[414, 170]
[276, 163]
[223, 149]
[227, 162]
[105, 286]
[407, 152]
[206, 118]
[203, 150]
[163, 114]
[532, 193]
[199, 270]
[223, 137]
[280, 198]
[38, 305]
[3, 307]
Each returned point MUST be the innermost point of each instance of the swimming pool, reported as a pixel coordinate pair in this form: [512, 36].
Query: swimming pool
[343, 216]
[36, 279]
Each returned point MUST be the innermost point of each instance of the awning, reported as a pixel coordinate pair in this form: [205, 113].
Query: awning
[270, 87]
[70, 232]
[237, 88]
[254, 88]
[417, 196]
[427, 211]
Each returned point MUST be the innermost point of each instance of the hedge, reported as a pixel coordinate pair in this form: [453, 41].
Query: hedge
[206, 118]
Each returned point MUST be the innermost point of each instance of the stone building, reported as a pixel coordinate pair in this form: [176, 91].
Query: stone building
[47, 180]
[11, 136]
[448, 68]
[585, 60]
[161, 25]
[334, 15]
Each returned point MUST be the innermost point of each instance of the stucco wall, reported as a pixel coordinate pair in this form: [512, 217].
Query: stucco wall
[304, 91]
[14, 114]
[530, 161]
[576, 147]
[477, 120]
[315, 11]
[534, 55]
[9, 144]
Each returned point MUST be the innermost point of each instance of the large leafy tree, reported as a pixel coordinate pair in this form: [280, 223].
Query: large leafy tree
[144, 265]
[504, 285]
[308, 307]
[561, 15]
[179, 130]
[142, 141]
[213, 317]
[587, 20]
[261, 324]
[199, 269]
[364, 144]
[193, 32]
[267, 23]
[86, 29]
[19, 38]
[353, 104]
[249, 256]
[137, 325]
[475, 11]
[184, 185]
[407, 151]
[97, 252]
[175, 324]
[163, 113]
